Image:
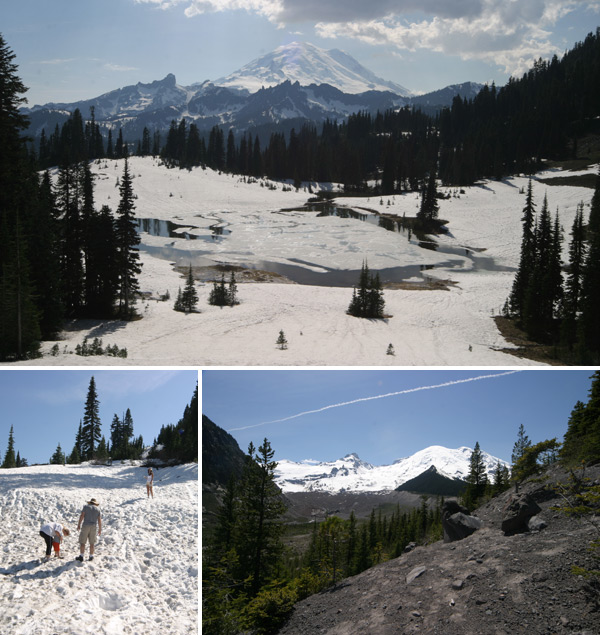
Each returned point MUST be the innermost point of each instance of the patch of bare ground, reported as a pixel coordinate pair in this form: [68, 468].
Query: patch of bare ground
[527, 348]
[427, 284]
[488, 583]
[213, 273]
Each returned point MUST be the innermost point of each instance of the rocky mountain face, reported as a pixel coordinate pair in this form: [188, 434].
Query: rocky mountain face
[293, 85]
[351, 474]
[221, 455]
[492, 581]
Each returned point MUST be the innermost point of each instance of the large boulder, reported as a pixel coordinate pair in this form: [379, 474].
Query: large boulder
[517, 512]
[457, 523]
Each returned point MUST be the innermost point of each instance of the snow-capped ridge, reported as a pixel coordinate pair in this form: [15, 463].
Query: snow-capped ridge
[351, 473]
[308, 64]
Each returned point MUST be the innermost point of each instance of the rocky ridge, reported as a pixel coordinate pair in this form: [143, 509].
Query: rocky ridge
[487, 583]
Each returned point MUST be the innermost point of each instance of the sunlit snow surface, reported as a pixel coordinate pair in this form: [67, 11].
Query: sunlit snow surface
[144, 577]
[354, 475]
[452, 326]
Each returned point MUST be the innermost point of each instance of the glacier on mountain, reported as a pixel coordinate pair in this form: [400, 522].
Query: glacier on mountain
[351, 474]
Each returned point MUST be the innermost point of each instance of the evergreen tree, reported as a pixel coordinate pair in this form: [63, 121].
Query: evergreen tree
[282, 341]
[218, 295]
[573, 283]
[127, 240]
[589, 326]
[429, 208]
[527, 259]
[189, 297]
[19, 316]
[261, 507]
[90, 430]
[9, 456]
[232, 291]
[476, 479]
[521, 444]
[58, 458]
[368, 301]
[582, 439]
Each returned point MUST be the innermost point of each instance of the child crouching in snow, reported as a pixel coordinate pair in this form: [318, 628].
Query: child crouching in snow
[52, 532]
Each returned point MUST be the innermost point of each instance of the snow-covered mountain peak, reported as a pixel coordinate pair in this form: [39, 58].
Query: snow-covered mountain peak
[308, 64]
[353, 474]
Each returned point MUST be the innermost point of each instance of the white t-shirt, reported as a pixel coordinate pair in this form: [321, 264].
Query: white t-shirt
[51, 528]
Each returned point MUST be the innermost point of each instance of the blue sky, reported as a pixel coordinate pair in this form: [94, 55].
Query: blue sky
[46, 406]
[382, 430]
[68, 50]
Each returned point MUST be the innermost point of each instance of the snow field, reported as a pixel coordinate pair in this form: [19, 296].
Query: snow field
[144, 574]
[451, 326]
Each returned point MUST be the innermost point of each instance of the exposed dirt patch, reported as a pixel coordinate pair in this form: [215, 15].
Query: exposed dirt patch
[242, 274]
[487, 583]
[527, 348]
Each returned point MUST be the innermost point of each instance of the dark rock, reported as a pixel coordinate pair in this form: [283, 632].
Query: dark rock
[457, 523]
[519, 509]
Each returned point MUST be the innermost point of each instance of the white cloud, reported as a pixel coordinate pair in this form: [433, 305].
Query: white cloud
[57, 61]
[118, 68]
[507, 33]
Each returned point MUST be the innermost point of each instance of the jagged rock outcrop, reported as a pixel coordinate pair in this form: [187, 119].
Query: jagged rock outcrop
[519, 509]
[457, 523]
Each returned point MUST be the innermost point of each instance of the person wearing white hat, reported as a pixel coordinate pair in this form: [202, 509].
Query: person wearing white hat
[89, 517]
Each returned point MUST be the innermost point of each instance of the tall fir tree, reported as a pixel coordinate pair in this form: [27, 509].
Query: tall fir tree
[90, 428]
[127, 241]
[261, 507]
[527, 259]
[521, 444]
[19, 316]
[9, 457]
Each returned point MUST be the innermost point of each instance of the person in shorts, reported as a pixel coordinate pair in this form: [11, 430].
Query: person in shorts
[89, 518]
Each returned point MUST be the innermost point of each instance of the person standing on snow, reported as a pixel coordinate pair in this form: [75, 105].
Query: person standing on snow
[51, 532]
[90, 515]
[149, 482]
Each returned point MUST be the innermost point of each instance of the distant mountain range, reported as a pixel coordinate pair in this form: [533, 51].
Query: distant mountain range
[351, 474]
[293, 84]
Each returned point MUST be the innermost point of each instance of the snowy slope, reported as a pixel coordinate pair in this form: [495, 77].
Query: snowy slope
[352, 474]
[438, 327]
[144, 577]
[308, 64]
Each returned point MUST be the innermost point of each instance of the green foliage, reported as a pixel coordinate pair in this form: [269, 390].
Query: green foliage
[188, 298]
[534, 458]
[58, 458]
[367, 301]
[179, 442]
[477, 480]
[581, 499]
[282, 341]
[9, 457]
[269, 609]
[582, 439]
[244, 554]
[521, 444]
[222, 295]
[96, 348]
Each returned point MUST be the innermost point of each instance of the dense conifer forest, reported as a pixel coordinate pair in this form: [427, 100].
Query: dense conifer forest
[62, 258]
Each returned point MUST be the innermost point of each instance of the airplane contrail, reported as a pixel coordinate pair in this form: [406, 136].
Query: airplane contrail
[389, 394]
